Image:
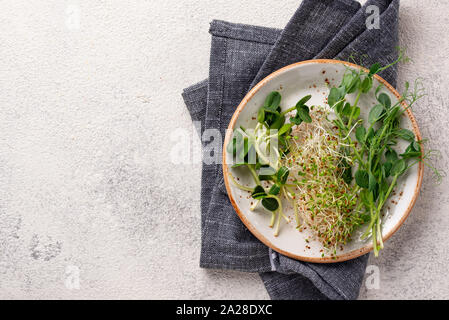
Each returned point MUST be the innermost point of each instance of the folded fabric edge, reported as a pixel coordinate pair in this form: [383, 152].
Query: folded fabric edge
[291, 287]
[196, 86]
[195, 100]
[288, 266]
[326, 288]
[195, 93]
[244, 32]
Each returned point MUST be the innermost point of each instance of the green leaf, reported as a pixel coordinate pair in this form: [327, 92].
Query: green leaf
[269, 111]
[366, 197]
[356, 112]
[348, 77]
[261, 115]
[375, 113]
[360, 134]
[258, 193]
[375, 193]
[362, 178]
[274, 190]
[258, 189]
[398, 168]
[391, 156]
[412, 151]
[272, 118]
[372, 182]
[347, 109]
[282, 175]
[351, 82]
[385, 100]
[409, 155]
[374, 69]
[296, 120]
[379, 87]
[367, 84]
[303, 112]
[303, 100]
[339, 106]
[270, 204]
[285, 128]
[386, 169]
[406, 135]
[335, 95]
[416, 146]
[384, 186]
[278, 122]
[268, 116]
[354, 86]
[244, 148]
[272, 101]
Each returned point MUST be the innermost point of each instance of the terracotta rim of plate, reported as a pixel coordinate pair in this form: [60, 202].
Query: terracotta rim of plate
[349, 255]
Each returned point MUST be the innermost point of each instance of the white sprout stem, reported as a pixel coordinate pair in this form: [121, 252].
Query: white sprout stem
[379, 234]
[278, 223]
[350, 131]
[238, 185]
[295, 206]
[273, 218]
[280, 214]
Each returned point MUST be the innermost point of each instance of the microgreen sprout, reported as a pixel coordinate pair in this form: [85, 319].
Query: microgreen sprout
[335, 168]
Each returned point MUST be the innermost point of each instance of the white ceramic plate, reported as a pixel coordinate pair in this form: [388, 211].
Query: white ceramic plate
[294, 82]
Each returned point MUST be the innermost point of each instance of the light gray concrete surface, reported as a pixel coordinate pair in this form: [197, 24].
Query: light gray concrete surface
[89, 96]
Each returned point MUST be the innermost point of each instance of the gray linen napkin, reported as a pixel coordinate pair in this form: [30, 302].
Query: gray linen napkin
[242, 55]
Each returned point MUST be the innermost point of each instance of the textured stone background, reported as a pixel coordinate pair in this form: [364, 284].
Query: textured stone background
[89, 95]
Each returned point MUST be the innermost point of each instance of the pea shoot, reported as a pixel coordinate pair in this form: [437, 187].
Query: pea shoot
[377, 165]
